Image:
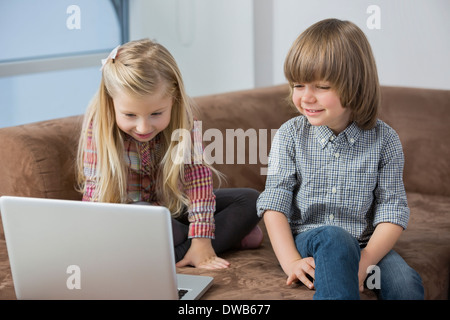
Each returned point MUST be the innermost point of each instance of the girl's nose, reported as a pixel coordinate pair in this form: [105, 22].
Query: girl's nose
[143, 126]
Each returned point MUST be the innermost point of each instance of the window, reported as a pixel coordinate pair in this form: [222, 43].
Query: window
[51, 55]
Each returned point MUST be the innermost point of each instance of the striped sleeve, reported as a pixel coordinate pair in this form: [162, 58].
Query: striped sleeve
[89, 167]
[199, 189]
[203, 201]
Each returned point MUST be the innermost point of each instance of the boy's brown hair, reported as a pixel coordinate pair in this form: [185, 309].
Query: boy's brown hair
[338, 52]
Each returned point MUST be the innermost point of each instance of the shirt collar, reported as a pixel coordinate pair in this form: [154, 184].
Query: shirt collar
[352, 133]
[324, 135]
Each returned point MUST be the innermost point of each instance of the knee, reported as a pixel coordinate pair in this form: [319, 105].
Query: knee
[247, 197]
[337, 235]
[339, 240]
[401, 282]
[412, 288]
[249, 193]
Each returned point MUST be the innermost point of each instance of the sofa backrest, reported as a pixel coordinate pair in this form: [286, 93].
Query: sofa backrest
[240, 121]
[38, 159]
[421, 118]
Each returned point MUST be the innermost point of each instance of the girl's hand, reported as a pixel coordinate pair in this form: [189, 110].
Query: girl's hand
[299, 269]
[202, 255]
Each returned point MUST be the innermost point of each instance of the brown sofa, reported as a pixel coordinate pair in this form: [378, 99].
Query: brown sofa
[37, 160]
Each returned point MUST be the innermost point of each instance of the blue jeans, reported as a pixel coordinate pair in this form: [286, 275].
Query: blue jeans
[336, 255]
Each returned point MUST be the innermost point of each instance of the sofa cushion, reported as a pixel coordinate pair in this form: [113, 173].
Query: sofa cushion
[424, 245]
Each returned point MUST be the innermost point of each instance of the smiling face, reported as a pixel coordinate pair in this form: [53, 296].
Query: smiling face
[143, 117]
[321, 105]
[339, 53]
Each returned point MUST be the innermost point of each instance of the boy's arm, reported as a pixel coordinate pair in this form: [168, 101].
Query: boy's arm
[382, 241]
[391, 210]
[284, 247]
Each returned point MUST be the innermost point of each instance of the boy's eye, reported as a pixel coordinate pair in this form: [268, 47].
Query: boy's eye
[129, 115]
[156, 114]
[323, 85]
[318, 86]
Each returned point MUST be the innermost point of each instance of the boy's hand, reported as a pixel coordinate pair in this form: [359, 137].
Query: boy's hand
[202, 255]
[299, 270]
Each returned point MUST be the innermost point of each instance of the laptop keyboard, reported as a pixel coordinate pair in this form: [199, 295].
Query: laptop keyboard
[181, 293]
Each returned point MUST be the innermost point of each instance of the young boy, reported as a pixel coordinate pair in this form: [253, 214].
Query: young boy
[334, 203]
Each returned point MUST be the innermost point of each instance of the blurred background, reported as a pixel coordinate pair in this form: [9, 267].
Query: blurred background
[51, 50]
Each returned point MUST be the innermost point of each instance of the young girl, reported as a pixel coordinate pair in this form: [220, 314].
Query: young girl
[130, 150]
[334, 203]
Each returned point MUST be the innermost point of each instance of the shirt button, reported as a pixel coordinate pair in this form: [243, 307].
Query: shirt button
[352, 140]
[336, 154]
[323, 140]
[331, 216]
[333, 190]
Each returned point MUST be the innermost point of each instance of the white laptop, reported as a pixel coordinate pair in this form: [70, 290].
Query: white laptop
[62, 249]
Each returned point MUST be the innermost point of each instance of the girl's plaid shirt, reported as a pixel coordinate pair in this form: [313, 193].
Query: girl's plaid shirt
[142, 160]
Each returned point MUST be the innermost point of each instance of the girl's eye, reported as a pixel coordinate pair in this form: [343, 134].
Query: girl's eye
[129, 115]
[156, 114]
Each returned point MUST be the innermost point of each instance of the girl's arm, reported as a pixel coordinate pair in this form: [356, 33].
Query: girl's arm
[382, 241]
[199, 190]
[295, 267]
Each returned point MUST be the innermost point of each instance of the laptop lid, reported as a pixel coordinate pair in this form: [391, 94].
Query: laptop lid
[63, 249]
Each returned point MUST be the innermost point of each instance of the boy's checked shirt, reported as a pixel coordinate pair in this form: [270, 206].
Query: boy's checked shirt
[353, 180]
[142, 160]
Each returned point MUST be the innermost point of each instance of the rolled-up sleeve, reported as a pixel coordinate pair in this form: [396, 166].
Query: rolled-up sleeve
[199, 190]
[90, 167]
[390, 196]
[202, 199]
[281, 175]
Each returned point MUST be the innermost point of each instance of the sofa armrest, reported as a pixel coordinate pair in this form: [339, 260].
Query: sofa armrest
[37, 159]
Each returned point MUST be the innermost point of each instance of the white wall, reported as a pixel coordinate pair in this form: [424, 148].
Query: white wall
[411, 48]
[211, 40]
[225, 45]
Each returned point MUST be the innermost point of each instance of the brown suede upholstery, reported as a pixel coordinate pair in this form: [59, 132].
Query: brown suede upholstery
[37, 160]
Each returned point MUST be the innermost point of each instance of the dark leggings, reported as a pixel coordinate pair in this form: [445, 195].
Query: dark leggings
[235, 217]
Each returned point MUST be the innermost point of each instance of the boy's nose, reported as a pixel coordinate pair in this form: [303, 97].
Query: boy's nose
[308, 96]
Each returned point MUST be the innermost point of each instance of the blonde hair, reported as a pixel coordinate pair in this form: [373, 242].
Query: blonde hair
[140, 68]
[338, 52]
